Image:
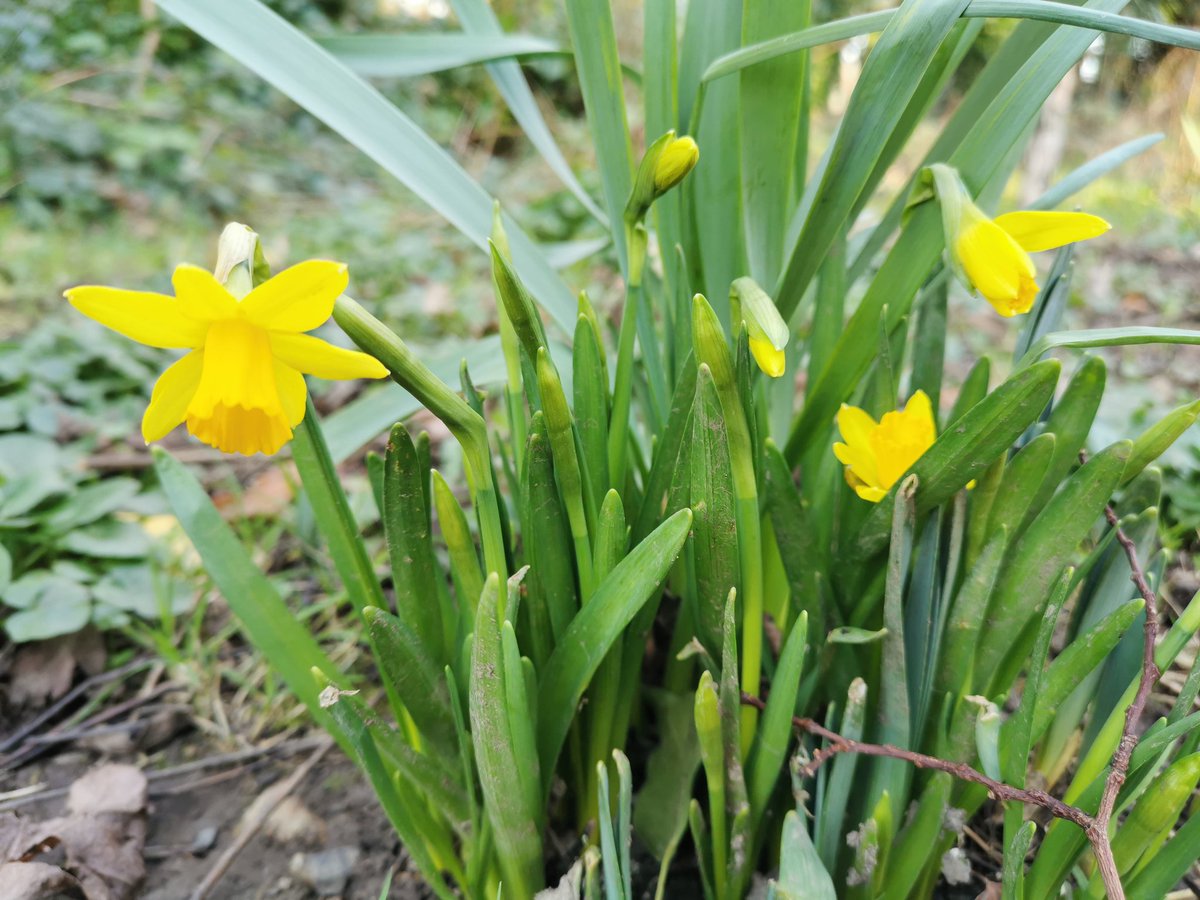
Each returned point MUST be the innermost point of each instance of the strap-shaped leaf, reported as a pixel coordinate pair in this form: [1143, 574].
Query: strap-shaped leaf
[599, 623]
[280, 54]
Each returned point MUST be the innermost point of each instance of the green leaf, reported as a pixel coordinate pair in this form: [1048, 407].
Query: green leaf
[412, 822]
[267, 621]
[774, 736]
[477, 17]
[834, 803]
[410, 548]
[802, 876]
[598, 624]
[411, 671]
[56, 606]
[660, 813]
[598, 66]
[1093, 169]
[769, 94]
[515, 825]
[955, 675]
[1111, 337]
[908, 856]
[1071, 422]
[1023, 476]
[591, 406]
[91, 502]
[109, 539]
[891, 76]
[1013, 883]
[425, 52]
[714, 534]
[332, 512]
[1035, 560]
[281, 55]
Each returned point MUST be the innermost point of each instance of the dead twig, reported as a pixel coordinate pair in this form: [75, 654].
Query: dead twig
[273, 796]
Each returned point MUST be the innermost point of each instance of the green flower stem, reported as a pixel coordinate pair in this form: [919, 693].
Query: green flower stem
[712, 754]
[618, 425]
[567, 471]
[464, 423]
[711, 348]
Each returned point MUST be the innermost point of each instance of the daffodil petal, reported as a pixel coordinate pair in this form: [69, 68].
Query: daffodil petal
[919, 411]
[172, 393]
[293, 392]
[201, 296]
[152, 319]
[992, 260]
[1037, 231]
[869, 493]
[297, 299]
[855, 425]
[314, 356]
[770, 360]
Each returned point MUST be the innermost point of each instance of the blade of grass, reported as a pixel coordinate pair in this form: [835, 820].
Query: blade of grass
[280, 54]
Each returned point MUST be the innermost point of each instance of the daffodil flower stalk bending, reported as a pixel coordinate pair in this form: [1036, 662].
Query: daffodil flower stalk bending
[766, 331]
[991, 256]
[240, 387]
[877, 454]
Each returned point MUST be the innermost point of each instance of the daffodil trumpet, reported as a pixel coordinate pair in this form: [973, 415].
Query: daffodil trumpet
[991, 256]
[240, 387]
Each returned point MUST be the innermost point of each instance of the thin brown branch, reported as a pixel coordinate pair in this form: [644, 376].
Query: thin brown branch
[998, 789]
[1095, 827]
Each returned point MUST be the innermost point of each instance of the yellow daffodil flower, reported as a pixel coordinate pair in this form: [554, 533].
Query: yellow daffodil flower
[991, 256]
[239, 387]
[877, 454]
[766, 331]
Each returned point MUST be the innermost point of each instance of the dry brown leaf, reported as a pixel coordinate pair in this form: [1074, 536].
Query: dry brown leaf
[43, 670]
[267, 494]
[36, 881]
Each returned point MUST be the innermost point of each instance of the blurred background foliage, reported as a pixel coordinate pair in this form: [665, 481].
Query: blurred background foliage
[126, 142]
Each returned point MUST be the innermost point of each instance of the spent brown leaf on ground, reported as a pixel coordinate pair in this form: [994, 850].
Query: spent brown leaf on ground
[102, 836]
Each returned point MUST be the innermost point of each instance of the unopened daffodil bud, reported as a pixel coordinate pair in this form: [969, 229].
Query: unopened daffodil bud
[665, 163]
[678, 158]
[766, 331]
[240, 262]
[710, 343]
[991, 256]
[877, 454]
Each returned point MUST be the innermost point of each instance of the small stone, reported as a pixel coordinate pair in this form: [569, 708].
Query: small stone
[291, 822]
[204, 840]
[327, 871]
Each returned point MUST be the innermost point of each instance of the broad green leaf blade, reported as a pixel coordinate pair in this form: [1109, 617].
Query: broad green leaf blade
[1034, 562]
[598, 65]
[416, 678]
[770, 97]
[714, 538]
[889, 80]
[1093, 169]
[280, 54]
[422, 53]
[478, 18]
[515, 825]
[1111, 337]
[600, 622]
[802, 876]
[406, 529]
[268, 622]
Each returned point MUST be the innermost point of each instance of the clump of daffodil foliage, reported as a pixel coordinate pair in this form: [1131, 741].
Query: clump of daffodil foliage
[742, 491]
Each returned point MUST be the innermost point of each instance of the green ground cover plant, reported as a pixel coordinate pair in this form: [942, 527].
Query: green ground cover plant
[751, 523]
